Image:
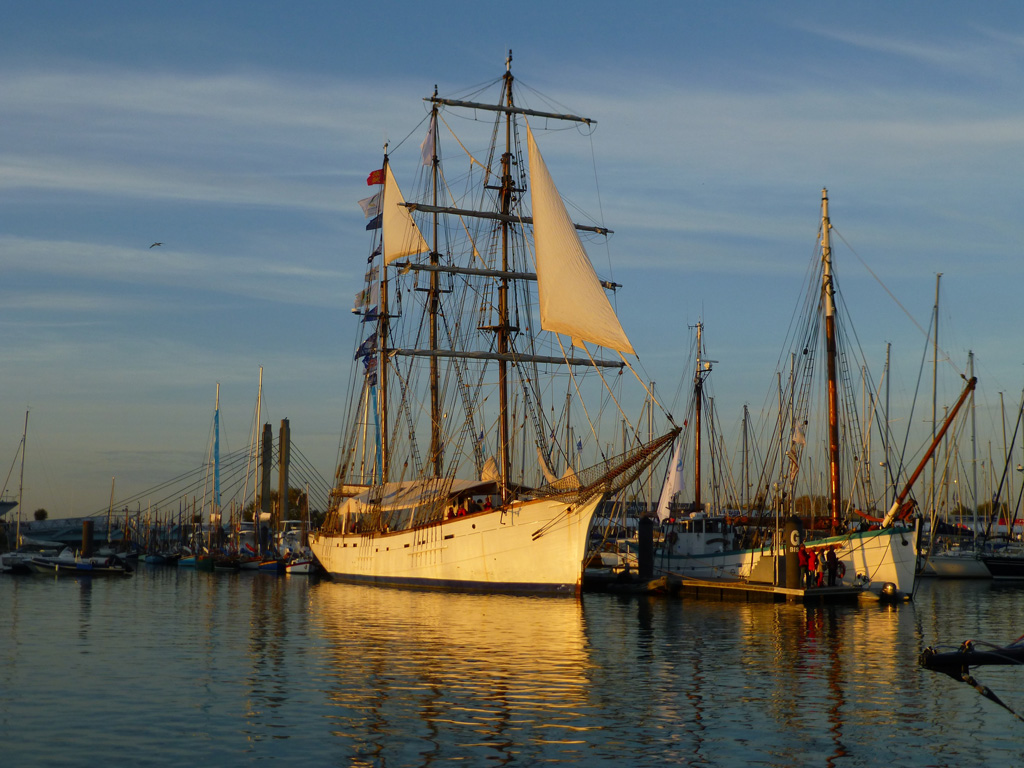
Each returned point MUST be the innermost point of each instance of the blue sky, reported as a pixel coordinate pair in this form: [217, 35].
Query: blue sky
[240, 136]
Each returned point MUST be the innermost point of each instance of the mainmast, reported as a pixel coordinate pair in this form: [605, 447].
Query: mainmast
[828, 297]
[510, 218]
[703, 368]
[436, 450]
[507, 190]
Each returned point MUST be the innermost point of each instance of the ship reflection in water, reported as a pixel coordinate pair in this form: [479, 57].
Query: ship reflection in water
[431, 674]
[168, 665]
[421, 677]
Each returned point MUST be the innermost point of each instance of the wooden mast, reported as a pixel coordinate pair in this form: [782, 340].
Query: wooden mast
[436, 450]
[507, 189]
[508, 192]
[698, 395]
[898, 502]
[828, 297]
[383, 326]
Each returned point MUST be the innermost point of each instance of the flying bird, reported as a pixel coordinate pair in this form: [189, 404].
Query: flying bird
[154, 245]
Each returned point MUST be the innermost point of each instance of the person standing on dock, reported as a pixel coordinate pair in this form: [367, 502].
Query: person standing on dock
[804, 561]
[812, 569]
[832, 563]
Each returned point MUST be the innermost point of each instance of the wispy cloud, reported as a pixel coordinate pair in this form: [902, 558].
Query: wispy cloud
[983, 54]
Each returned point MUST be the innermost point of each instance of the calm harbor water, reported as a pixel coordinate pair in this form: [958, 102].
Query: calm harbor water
[176, 666]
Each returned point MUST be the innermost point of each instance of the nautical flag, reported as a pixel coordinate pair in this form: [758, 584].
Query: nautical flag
[368, 347]
[579, 445]
[375, 177]
[370, 205]
[372, 274]
[366, 297]
[370, 369]
[374, 223]
[798, 435]
[427, 147]
[375, 253]
[370, 316]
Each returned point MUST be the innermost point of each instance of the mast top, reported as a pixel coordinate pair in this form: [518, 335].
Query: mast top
[508, 61]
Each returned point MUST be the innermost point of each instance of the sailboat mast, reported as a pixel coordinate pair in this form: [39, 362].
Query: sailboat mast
[216, 454]
[935, 374]
[434, 303]
[383, 327]
[21, 482]
[745, 469]
[698, 386]
[890, 478]
[507, 189]
[828, 296]
[974, 456]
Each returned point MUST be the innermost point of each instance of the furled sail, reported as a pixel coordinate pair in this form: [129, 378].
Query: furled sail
[401, 235]
[572, 300]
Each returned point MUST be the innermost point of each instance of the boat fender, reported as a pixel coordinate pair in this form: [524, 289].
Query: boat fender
[841, 570]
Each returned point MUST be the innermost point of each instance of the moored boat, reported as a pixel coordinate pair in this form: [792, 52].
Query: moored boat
[876, 551]
[68, 563]
[464, 334]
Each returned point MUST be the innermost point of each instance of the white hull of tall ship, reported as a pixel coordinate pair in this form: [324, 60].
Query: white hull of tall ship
[532, 546]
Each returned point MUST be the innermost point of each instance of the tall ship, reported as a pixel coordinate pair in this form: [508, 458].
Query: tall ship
[490, 414]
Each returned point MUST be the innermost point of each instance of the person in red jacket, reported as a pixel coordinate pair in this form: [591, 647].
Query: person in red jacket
[802, 558]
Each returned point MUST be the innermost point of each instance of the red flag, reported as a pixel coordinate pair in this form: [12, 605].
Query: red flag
[375, 177]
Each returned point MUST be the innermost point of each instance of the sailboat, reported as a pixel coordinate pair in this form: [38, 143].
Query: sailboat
[882, 551]
[702, 538]
[17, 561]
[479, 302]
[878, 553]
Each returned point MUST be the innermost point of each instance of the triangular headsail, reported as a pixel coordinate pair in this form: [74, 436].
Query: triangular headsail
[674, 482]
[401, 235]
[572, 300]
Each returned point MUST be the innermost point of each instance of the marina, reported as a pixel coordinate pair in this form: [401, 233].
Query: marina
[531, 521]
[246, 668]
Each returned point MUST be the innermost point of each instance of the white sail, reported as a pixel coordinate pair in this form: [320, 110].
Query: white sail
[673, 482]
[572, 300]
[401, 235]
